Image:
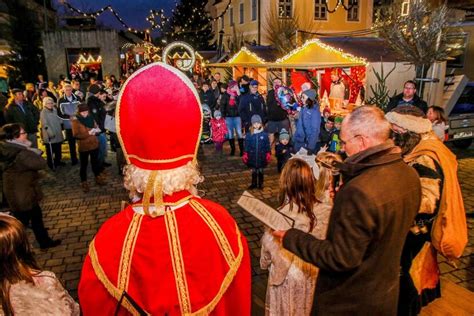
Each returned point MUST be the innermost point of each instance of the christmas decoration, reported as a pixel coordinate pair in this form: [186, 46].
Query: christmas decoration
[183, 62]
[380, 92]
[191, 24]
[420, 34]
[287, 99]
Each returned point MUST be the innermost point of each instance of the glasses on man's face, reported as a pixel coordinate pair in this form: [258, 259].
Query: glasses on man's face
[344, 142]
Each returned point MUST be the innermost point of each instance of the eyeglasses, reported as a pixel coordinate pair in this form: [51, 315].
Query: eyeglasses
[344, 142]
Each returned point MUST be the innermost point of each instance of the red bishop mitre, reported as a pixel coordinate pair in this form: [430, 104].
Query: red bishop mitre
[159, 118]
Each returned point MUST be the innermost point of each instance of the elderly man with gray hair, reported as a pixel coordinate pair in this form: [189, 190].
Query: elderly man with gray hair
[360, 259]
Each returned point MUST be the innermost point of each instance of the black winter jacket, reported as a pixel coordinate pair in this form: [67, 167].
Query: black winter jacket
[398, 99]
[275, 112]
[228, 110]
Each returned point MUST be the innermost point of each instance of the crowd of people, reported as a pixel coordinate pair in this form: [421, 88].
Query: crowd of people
[357, 245]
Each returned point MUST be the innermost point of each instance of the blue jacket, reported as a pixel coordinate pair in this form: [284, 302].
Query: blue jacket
[251, 104]
[257, 145]
[307, 129]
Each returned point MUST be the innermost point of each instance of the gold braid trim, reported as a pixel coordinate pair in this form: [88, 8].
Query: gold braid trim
[216, 230]
[127, 251]
[206, 310]
[113, 291]
[178, 263]
[158, 197]
[148, 192]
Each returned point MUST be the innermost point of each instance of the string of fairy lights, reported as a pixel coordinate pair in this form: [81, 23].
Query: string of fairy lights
[151, 18]
[340, 3]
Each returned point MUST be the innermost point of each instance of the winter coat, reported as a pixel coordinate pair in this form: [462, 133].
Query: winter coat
[228, 109]
[20, 175]
[283, 156]
[86, 142]
[51, 131]
[416, 101]
[257, 145]
[29, 119]
[251, 104]
[219, 130]
[67, 108]
[208, 98]
[360, 259]
[307, 129]
[97, 110]
[275, 111]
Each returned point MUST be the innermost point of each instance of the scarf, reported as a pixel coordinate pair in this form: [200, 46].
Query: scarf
[233, 96]
[87, 121]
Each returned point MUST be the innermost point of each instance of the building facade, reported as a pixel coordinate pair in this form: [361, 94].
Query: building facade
[249, 18]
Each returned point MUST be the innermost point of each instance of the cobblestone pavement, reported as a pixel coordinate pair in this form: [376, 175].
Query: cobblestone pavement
[75, 217]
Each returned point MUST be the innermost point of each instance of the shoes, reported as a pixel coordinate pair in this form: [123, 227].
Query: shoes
[50, 244]
[85, 187]
[106, 164]
[100, 179]
[251, 187]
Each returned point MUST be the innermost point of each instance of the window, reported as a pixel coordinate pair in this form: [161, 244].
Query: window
[254, 10]
[284, 8]
[242, 17]
[231, 16]
[320, 11]
[405, 8]
[353, 12]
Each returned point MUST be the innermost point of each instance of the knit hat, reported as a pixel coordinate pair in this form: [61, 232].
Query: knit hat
[232, 83]
[284, 135]
[82, 107]
[311, 94]
[16, 90]
[256, 119]
[95, 88]
[410, 118]
[338, 119]
[326, 110]
[254, 83]
[217, 113]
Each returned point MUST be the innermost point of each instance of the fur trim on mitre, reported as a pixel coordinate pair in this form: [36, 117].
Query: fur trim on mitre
[411, 123]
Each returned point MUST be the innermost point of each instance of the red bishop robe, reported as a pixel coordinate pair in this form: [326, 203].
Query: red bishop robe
[192, 260]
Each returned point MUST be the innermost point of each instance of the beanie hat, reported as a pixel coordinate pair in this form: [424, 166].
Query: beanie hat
[311, 94]
[338, 119]
[217, 113]
[410, 118]
[254, 83]
[232, 83]
[284, 135]
[82, 107]
[95, 88]
[256, 119]
[326, 110]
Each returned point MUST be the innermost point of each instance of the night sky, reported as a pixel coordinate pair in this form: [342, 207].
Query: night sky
[133, 12]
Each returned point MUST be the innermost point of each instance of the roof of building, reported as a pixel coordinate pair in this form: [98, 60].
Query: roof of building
[373, 49]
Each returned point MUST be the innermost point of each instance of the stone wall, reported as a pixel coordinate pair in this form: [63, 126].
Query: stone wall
[55, 45]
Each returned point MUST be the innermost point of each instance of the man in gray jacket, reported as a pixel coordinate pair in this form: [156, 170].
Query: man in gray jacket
[360, 259]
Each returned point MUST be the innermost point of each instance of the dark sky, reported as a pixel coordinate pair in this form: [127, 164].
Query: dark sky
[133, 12]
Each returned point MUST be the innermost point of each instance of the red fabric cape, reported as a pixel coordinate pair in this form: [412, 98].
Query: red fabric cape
[151, 280]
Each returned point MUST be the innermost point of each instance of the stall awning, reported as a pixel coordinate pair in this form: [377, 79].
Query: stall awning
[244, 57]
[315, 54]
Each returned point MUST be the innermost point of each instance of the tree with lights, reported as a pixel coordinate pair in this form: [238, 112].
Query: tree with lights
[417, 31]
[191, 23]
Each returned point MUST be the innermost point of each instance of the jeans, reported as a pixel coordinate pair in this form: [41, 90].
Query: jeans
[84, 159]
[72, 145]
[102, 147]
[233, 123]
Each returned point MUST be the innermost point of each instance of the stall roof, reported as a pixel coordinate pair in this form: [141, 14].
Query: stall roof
[251, 56]
[316, 54]
[373, 49]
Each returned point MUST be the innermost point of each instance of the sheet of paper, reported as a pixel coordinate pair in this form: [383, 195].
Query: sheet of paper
[264, 213]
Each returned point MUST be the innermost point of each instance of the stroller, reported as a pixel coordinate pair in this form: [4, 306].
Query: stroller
[206, 136]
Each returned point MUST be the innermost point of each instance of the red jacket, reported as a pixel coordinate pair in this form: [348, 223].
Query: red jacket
[219, 130]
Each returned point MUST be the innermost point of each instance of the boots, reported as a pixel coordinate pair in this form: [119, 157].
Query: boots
[100, 179]
[254, 181]
[241, 146]
[232, 146]
[85, 187]
[260, 179]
